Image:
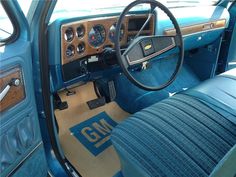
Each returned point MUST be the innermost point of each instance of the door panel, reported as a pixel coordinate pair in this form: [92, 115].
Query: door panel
[231, 61]
[21, 147]
[20, 135]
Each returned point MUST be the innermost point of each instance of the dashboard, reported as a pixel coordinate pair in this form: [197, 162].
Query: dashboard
[78, 45]
[86, 38]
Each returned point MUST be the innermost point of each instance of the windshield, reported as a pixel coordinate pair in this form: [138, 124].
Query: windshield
[70, 8]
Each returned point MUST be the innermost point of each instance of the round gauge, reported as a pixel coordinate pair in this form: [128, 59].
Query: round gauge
[113, 31]
[69, 34]
[70, 51]
[81, 48]
[80, 31]
[97, 36]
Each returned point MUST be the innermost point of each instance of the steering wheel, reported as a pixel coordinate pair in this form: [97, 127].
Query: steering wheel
[145, 48]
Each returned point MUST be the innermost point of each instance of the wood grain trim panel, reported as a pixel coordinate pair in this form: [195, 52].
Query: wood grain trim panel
[107, 22]
[15, 94]
[188, 30]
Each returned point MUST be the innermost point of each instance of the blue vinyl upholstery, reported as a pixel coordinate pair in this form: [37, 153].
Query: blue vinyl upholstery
[219, 93]
[189, 134]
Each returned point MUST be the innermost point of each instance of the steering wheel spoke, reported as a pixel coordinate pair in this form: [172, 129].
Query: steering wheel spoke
[125, 63]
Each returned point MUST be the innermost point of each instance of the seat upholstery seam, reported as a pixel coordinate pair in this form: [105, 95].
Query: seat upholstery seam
[203, 131]
[169, 102]
[181, 148]
[167, 137]
[221, 117]
[188, 136]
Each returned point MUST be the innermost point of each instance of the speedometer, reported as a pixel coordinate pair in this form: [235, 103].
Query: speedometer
[97, 36]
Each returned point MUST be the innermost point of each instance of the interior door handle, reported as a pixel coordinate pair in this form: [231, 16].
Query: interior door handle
[14, 82]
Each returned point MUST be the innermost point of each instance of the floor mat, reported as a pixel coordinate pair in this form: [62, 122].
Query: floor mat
[95, 132]
[104, 163]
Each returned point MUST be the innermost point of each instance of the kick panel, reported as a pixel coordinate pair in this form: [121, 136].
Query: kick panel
[11, 82]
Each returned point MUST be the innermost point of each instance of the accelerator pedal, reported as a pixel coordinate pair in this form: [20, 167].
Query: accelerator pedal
[112, 90]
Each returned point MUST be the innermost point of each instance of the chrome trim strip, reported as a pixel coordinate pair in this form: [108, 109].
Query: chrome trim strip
[24, 159]
[215, 29]
[212, 28]
[50, 174]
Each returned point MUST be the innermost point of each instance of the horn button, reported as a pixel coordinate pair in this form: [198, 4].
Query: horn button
[147, 47]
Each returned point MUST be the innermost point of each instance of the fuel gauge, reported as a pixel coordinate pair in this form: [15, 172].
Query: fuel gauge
[70, 51]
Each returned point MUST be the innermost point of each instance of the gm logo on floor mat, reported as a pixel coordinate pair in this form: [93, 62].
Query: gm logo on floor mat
[95, 132]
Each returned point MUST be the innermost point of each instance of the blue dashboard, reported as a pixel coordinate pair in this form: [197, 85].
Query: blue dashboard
[200, 26]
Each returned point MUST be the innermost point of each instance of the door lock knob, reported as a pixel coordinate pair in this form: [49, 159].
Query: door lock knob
[15, 82]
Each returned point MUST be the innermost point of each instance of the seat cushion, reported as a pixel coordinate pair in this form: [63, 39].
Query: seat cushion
[180, 136]
[218, 93]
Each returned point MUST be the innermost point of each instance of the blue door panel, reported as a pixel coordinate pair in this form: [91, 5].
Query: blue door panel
[20, 133]
[35, 169]
[231, 61]
[232, 51]
[21, 147]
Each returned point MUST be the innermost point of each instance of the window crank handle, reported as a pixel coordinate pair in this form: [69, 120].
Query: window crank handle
[14, 82]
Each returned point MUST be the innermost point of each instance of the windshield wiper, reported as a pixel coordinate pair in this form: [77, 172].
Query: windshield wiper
[5, 31]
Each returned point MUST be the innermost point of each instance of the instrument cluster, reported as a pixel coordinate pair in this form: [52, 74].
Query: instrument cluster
[69, 35]
[89, 37]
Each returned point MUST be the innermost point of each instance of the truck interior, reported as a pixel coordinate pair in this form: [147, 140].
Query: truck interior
[102, 81]
[141, 88]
